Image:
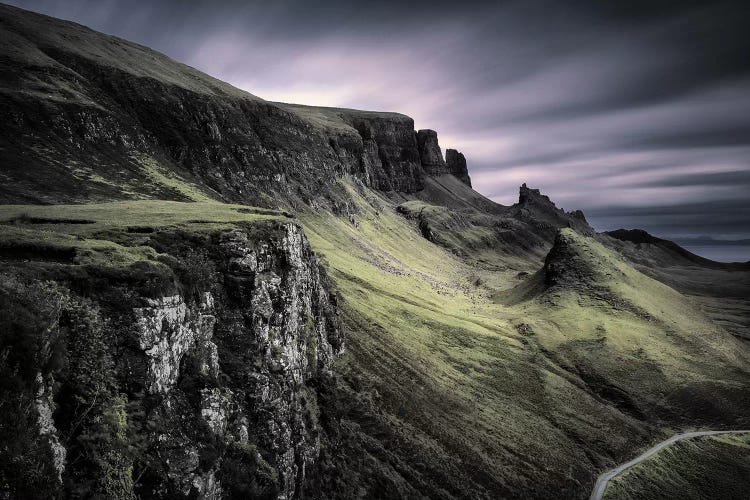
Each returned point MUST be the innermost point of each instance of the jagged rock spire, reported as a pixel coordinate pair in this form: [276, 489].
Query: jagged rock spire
[430, 154]
[456, 164]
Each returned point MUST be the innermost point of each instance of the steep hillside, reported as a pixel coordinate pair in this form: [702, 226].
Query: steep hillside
[722, 290]
[522, 384]
[693, 469]
[491, 237]
[102, 118]
[376, 329]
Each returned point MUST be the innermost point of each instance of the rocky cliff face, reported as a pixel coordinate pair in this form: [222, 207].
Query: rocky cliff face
[112, 130]
[456, 164]
[195, 357]
[390, 158]
[430, 153]
[118, 121]
[209, 366]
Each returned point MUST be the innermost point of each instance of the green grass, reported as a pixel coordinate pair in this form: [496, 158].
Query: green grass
[489, 243]
[443, 353]
[510, 383]
[131, 58]
[140, 213]
[694, 469]
[333, 118]
[449, 361]
[644, 315]
[163, 177]
[94, 233]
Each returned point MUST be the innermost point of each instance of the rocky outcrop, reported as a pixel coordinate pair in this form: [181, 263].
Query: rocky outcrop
[272, 330]
[195, 380]
[292, 336]
[456, 165]
[389, 159]
[539, 211]
[430, 153]
[578, 214]
[526, 228]
[580, 264]
[568, 264]
[167, 330]
[47, 430]
[529, 196]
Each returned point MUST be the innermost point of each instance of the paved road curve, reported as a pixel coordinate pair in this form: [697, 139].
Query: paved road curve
[603, 480]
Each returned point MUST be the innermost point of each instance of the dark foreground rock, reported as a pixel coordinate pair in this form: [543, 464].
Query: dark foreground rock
[192, 379]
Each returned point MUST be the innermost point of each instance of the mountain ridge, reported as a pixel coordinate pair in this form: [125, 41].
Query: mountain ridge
[114, 112]
[640, 237]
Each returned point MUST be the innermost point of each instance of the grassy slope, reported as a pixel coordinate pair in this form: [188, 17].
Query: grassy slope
[136, 60]
[451, 367]
[335, 118]
[487, 242]
[93, 233]
[722, 290]
[640, 343]
[456, 366]
[91, 117]
[472, 373]
[705, 467]
[528, 388]
[448, 191]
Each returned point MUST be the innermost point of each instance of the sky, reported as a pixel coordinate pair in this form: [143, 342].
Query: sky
[636, 112]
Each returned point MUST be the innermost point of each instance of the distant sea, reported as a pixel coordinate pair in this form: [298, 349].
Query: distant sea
[721, 253]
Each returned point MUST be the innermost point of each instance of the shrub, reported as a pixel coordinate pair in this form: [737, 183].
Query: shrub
[29, 341]
[245, 474]
[196, 272]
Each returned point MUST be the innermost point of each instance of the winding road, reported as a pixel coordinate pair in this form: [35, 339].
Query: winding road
[603, 480]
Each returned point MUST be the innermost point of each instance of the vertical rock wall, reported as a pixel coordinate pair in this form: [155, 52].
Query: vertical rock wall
[456, 166]
[250, 353]
[430, 154]
[211, 385]
[389, 153]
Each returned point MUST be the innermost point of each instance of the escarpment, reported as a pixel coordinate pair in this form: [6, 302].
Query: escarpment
[143, 125]
[390, 158]
[383, 149]
[191, 375]
[525, 228]
[539, 211]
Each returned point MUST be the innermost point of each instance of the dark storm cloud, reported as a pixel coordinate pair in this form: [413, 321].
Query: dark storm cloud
[720, 219]
[628, 110]
[737, 178]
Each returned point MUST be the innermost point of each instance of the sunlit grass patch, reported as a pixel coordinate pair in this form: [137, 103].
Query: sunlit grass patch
[92, 233]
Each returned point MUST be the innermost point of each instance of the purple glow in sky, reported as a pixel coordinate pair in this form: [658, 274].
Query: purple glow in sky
[637, 112]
